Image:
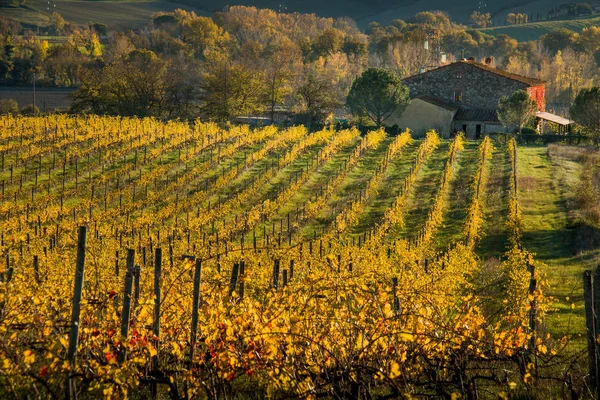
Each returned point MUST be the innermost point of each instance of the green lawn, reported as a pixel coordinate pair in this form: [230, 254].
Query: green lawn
[546, 188]
[494, 241]
[459, 197]
[419, 202]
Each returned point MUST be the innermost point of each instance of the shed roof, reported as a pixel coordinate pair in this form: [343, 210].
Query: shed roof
[476, 114]
[546, 116]
[437, 102]
[485, 67]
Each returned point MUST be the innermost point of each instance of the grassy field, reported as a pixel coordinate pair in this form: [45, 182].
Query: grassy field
[115, 14]
[534, 30]
[548, 179]
[132, 14]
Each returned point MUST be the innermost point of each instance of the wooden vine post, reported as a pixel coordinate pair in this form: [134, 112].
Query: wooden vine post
[126, 312]
[76, 312]
[195, 311]
[156, 319]
[591, 296]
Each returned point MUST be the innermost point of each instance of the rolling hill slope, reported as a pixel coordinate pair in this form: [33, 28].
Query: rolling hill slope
[533, 31]
[115, 14]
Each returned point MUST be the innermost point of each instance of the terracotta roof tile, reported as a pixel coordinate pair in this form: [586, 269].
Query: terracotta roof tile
[474, 114]
[437, 102]
[475, 64]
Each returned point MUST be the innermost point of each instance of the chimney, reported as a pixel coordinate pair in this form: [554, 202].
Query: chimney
[462, 55]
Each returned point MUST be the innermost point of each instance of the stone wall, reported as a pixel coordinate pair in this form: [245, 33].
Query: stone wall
[471, 128]
[479, 88]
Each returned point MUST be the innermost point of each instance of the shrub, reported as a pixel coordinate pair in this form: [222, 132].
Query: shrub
[528, 131]
[30, 110]
[9, 106]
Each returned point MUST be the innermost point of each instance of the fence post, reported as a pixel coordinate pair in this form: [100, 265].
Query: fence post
[77, 293]
[234, 276]
[276, 275]
[395, 295]
[156, 319]
[195, 307]
[533, 307]
[241, 279]
[157, 280]
[126, 312]
[596, 320]
[136, 285]
[36, 269]
[590, 319]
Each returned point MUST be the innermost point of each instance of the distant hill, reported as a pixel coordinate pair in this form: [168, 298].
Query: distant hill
[533, 31]
[385, 11]
[115, 14]
[131, 14]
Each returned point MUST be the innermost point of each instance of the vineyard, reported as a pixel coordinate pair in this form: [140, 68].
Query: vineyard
[187, 260]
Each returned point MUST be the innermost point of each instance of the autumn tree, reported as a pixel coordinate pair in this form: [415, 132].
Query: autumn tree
[231, 88]
[330, 41]
[64, 65]
[182, 88]
[588, 40]
[282, 63]
[586, 112]
[559, 39]
[566, 73]
[132, 86]
[377, 94]
[58, 22]
[202, 33]
[406, 58]
[518, 110]
[119, 46]
[316, 95]
[510, 19]
[481, 20]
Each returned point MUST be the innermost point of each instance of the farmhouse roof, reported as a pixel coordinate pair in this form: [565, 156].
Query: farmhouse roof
[437, 102]
[485, 67]
[475, 114]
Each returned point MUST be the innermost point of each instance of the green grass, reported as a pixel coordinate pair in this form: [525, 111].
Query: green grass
[388, 190]
[534, 30]
[546, 188]
[426, 186]
[459, 197]
[495, 234]
[349, 189]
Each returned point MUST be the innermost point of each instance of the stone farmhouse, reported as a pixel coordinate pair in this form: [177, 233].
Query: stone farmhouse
[463, 97]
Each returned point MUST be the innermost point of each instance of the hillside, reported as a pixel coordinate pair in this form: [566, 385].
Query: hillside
[533, 31]
[133, 14]
[115, 14]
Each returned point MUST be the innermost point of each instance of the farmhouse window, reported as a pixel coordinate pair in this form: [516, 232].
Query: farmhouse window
[459, 75]
[457, 96]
